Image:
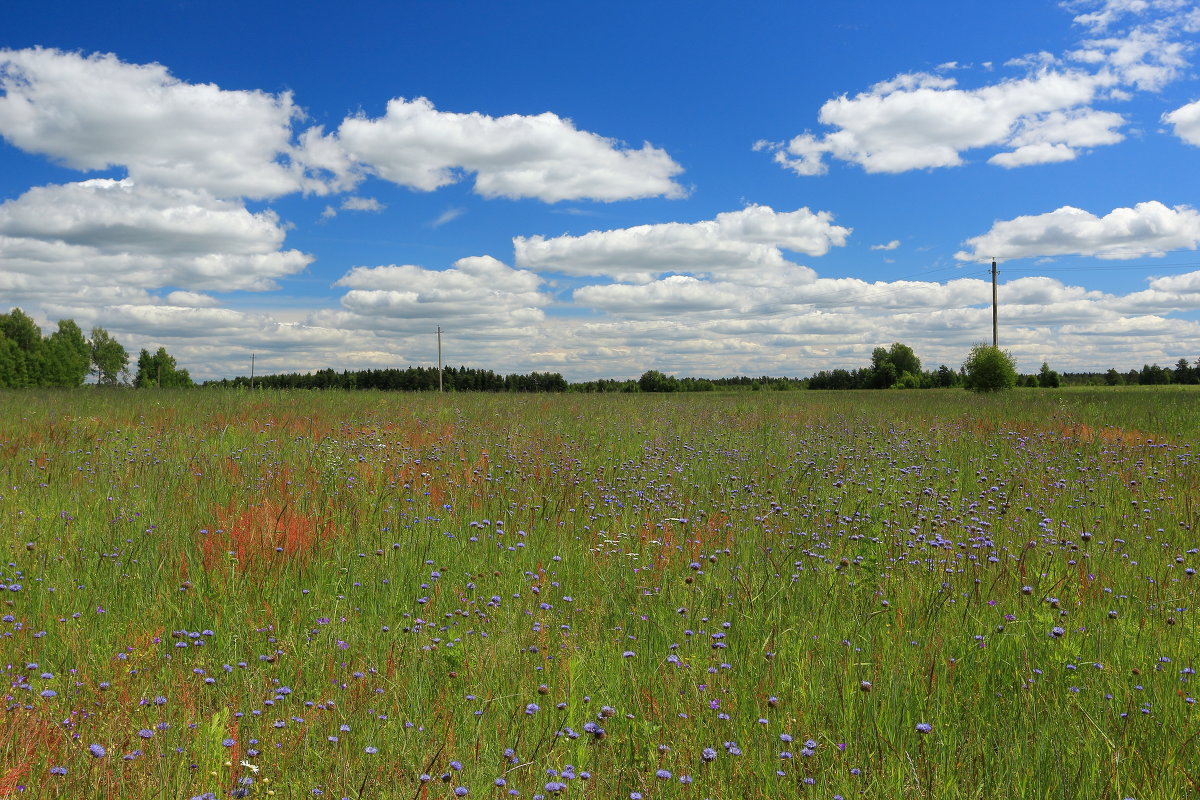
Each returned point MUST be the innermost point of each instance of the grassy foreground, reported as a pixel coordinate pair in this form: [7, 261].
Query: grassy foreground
[856, 594]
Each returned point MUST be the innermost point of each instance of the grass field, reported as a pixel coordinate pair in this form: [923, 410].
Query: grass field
[794, 594]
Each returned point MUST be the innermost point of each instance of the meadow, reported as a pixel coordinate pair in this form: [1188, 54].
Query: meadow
[734, 595]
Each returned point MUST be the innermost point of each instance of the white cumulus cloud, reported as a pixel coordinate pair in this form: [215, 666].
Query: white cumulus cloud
[94, 112]
[119, 233]
[1048, 114]
[477, 292]
[542, 156]
[1149, 228]
[1186, 122]
[747, 243]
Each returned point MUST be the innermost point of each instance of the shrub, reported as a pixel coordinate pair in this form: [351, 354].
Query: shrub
[989, 369]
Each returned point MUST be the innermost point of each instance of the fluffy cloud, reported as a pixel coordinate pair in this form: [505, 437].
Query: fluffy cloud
[1147, 229]
[746, 243]
[542, 156]
[119, 233]
[95, 112]
[477, 292]
[1186, 122]
[926, 121]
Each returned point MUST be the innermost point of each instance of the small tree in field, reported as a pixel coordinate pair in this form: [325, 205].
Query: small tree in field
[989, 369]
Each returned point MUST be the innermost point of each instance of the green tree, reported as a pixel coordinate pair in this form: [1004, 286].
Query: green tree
[889, 366]
[1113, 378]
[20, 327]
[109, 358]
[989, 369]
[1048, 378]
[904, 359]
[1184, 373]
[161, 371]
[67, 356]
[946, 377]
[1154, 375]
[655, 381]
[21, 363]
[12, 364]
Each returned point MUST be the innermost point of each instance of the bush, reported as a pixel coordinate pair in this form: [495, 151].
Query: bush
[989, 369]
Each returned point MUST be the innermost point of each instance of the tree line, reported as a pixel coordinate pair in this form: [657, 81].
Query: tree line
[66, 357]
[412, 379]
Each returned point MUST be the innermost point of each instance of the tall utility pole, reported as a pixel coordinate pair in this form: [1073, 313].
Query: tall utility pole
[252, 370]
[995, 336]
[439, 332]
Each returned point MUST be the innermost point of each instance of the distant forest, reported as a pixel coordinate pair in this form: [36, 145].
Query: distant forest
[68, 356]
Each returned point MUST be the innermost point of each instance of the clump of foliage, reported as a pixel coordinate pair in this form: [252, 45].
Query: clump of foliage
[989, 369]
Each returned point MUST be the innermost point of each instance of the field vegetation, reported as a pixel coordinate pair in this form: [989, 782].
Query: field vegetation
[723, 595]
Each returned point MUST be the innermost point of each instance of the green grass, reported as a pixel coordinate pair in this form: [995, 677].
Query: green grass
[684, 572]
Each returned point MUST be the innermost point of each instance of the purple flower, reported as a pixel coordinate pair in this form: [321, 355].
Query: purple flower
[663, 775]
[58, 770]
[708, 754]
[460, 791]
[97, 751]
[924, 727]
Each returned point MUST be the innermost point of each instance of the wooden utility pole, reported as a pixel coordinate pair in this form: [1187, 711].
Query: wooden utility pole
[995, 327]
[439, 334]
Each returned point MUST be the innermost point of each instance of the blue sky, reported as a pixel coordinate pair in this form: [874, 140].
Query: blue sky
[598, 190]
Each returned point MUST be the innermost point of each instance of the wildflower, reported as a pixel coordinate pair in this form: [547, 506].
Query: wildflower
[97, 751]
[58, 770]
[924, 727]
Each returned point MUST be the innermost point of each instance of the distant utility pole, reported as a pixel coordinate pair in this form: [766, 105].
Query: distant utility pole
[439, 334]
[252, 370]
[995, 327]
